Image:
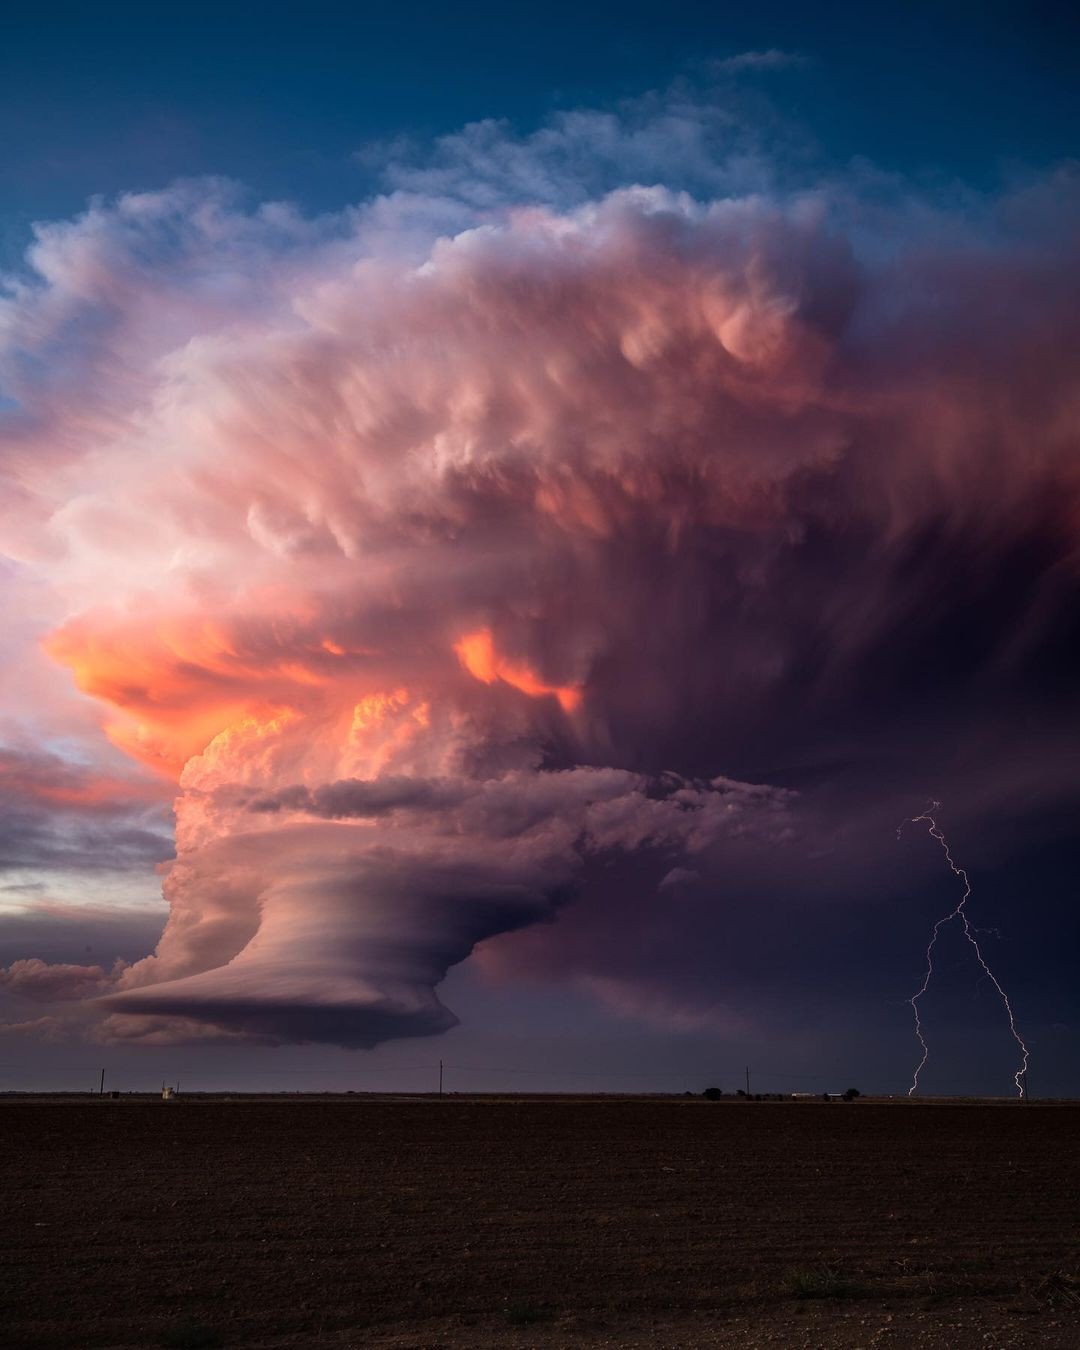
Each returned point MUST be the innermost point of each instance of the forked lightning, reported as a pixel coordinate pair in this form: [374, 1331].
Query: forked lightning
[960, 912]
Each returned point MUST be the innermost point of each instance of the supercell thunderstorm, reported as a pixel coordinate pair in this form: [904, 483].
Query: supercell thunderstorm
[430, 563]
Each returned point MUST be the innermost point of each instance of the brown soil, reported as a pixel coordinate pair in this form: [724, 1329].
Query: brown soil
[538, 1222]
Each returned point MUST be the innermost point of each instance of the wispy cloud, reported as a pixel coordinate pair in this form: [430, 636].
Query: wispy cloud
[771, 58]
[708, 145]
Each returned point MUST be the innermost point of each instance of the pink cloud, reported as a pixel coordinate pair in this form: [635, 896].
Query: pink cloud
[49, 1029]
[36, 979]
[417, 569]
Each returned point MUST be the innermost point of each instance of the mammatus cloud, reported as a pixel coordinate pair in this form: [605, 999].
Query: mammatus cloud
[435, 564]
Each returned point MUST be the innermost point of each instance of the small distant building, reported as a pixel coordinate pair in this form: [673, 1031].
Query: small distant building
[166, 1094]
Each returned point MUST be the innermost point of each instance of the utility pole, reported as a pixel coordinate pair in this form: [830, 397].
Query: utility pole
[748, 1080]
[101, 1089]
[440, 1077]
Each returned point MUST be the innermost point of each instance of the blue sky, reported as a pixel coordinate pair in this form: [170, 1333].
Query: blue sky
[98, 99]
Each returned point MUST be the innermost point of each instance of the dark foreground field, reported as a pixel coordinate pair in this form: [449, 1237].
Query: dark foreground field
[538, 1223]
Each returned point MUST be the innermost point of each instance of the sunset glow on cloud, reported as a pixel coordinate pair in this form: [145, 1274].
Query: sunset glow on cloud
[477, 654]
[434, 564]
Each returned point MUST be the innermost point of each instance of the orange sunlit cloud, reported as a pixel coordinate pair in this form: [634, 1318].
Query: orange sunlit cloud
[175, 685]
[476, 652]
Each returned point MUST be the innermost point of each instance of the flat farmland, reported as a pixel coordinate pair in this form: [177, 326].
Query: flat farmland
[537, 1222]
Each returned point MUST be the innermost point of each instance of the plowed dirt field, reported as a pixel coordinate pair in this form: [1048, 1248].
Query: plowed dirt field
[538, 1222]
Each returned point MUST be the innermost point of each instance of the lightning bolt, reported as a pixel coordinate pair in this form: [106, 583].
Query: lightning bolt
[960, 912]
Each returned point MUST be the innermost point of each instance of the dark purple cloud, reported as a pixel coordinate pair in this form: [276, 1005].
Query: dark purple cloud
[59, 815]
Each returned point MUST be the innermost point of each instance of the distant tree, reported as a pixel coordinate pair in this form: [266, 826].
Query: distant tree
[851, 1094]
[713, 1094]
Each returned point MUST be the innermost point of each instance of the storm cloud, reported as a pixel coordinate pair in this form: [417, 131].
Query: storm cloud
[435, 562]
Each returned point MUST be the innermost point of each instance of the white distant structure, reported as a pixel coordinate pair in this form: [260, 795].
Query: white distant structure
[166, 1093]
